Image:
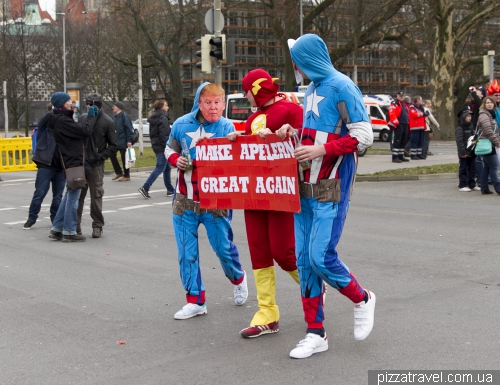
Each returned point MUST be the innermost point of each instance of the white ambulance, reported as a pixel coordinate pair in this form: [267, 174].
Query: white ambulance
[377, 108]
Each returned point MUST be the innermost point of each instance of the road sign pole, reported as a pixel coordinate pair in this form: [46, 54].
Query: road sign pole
[217, 33]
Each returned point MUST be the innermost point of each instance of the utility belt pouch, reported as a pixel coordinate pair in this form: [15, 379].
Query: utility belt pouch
[329, 190]
[220, 213]
[179, 204]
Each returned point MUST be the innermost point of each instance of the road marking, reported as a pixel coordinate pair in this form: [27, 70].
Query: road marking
[14, 223]
[163, 203]
[109, 211]
[20, 180]
[11, 184]
[8, 208]
[135, 207]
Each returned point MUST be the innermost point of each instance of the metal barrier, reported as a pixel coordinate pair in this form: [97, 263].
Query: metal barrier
[15, 155]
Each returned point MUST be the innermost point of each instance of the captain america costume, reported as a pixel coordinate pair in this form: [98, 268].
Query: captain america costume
[186, 222]
[335, 117]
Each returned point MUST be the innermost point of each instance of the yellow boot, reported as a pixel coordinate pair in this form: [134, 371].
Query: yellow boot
[295, 275]
[266, 319]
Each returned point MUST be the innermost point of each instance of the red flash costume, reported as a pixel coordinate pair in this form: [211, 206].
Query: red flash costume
[270, 234]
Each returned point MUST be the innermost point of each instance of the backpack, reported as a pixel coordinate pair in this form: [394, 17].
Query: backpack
[135, 138]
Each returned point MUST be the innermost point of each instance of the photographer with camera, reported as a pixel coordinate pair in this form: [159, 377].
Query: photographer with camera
[100, 146]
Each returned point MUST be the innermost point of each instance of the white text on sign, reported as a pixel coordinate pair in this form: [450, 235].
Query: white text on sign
[249, 151]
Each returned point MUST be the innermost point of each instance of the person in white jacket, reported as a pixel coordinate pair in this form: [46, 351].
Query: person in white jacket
[429, 133]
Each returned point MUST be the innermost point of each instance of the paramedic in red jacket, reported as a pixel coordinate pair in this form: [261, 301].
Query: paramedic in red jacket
[399, 126]
[417, 126]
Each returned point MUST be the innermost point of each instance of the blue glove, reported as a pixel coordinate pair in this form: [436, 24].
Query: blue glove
[93, 111]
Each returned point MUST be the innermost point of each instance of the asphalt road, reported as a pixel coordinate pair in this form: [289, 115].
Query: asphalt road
[429, 252]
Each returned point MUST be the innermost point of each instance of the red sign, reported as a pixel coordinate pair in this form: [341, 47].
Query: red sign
[250, 173]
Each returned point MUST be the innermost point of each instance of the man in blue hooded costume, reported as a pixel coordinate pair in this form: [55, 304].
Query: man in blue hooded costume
[204, 121]
[335, 128]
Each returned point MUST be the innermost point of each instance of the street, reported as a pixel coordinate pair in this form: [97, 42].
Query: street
[430, 254]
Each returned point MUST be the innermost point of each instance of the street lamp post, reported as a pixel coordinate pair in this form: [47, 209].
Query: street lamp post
[64, 48]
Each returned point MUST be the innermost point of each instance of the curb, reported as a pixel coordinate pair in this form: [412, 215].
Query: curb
[134, 169]
[359, 178]
[393, 178]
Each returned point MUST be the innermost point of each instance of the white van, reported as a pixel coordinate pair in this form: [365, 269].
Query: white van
[238, 108]
[377, 108]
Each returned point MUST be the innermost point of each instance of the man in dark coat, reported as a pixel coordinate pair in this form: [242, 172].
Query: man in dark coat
[50, 171]
[100, 146]
[159, 131]
[124, 135]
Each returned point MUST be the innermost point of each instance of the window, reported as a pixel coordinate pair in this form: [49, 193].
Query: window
[234, 75]
[252, 49]
[376, 113]
[239, 109]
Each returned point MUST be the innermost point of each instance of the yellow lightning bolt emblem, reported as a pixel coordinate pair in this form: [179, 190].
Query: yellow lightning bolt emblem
[256, 85]
[258, 124]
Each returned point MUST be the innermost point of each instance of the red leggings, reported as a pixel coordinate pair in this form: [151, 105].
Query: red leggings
[271, 238]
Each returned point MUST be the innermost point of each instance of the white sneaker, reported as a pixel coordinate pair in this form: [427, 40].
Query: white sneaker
[464, 189]
[191, 310]
[241, 291]
[313, 343]
[364, 314]
[477, 188]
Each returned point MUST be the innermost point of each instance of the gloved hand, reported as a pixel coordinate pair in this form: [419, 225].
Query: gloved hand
[93, 111]
[427, 113]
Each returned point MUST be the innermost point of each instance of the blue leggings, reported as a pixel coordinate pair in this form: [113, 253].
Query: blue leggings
[318, 228]
[220, 236]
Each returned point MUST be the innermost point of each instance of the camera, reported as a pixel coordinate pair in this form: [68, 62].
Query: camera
[472, 89]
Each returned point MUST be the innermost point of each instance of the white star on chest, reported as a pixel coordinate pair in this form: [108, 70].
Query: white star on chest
[199, 133]
[312, 103]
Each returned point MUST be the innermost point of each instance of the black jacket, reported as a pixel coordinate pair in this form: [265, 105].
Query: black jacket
[124, 130]
[159, 131]
[102, 143]
[462, 134]
[70, 136]
[47, 152]
[472, 106]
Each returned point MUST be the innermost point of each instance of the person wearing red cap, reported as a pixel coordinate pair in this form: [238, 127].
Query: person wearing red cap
[270, 234]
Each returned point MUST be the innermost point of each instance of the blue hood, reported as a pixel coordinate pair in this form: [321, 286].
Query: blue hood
[311, 55]
[196, 104]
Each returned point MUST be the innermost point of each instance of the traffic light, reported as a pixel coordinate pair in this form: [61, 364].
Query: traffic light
[219, 52]
[206, 63]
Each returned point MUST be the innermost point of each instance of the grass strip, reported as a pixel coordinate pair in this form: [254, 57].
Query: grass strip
[146, 160]
[425, 170]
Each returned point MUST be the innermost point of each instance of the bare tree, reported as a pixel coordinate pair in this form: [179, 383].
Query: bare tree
[454, 22]
[163, 32]
[25, 47]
